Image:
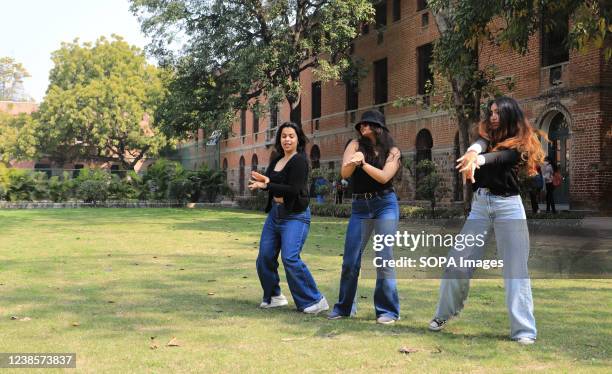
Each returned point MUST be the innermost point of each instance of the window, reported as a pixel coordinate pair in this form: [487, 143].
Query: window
[421, 4]
[77, 170]
[425, 20]
[241, 176]
[397, 10]
[424, 144]
[352, 95]
[554, 38]
[44, 168]
[316, 100]
[255, 122]
[380, 81]
[273, 116]
[365, 29]
[425, 74]
[315, 157]
[296, 114]
[381, 14]
[243, 122]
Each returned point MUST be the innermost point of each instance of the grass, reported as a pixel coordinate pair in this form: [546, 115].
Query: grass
[126, 275]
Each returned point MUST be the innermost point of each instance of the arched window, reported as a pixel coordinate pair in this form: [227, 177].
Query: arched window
[241, 176]
[315, 157]
[457, 180]
[424, 143]
[254, 162]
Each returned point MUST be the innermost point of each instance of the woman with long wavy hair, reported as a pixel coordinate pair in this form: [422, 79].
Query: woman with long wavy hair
[372, 161]
[287, 224]
[508, 143]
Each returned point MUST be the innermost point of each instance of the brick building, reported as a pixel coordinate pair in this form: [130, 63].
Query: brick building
[566, 94]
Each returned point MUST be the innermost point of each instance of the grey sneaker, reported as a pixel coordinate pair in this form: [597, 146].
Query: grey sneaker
[275, 302]
[437, 324]
[525, 341]
[385, 320]
[318, 307]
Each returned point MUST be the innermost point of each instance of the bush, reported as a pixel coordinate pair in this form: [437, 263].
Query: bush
[22, 185]
[121, 189]
[158, 176]
[180, 188]
[93, 185]
[257, 202]
[61, 189]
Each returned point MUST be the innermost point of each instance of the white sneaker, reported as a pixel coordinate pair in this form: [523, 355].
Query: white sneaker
[525, 341]
[437, 324]
[275, 302]
[318, 307]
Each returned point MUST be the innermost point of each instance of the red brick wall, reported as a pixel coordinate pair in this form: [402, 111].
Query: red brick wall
[585, 95]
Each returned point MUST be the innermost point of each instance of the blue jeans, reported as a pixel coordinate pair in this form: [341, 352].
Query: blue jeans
[380, 214]
[285, 233]
[507, 217]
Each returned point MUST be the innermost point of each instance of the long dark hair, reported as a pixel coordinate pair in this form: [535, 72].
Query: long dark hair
[384, 143]
[302, 139]
[514, 132]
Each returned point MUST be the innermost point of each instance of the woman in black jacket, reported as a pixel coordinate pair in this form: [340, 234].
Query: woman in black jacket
[287, 225]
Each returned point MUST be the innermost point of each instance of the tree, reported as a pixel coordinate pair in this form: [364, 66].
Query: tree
[239, 50]
[12, 74]
[17, 137]
[100, 104]
[465, 26]
[430, 186]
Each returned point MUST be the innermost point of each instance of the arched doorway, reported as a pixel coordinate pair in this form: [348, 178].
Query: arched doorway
[254, 162]
[241, 177]
[457, 180]
[225, 168]
[559, 152]
[315, 157]
[424, 144]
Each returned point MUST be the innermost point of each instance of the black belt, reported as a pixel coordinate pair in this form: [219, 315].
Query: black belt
[371, 195]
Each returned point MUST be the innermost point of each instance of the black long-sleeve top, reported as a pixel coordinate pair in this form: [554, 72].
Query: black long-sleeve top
[290, 183]
[499, 173]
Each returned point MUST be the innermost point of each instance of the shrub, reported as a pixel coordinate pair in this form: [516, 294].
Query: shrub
[22, 185]
[158, 176]
[257, 202]
[93, 185]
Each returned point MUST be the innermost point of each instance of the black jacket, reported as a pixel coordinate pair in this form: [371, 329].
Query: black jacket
[295, 191]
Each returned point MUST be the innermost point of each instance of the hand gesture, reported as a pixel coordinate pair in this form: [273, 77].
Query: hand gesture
[467, 165]
[255, 185]
[357, 158]
[257, 177]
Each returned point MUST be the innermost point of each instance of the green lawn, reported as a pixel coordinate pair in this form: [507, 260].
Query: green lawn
[127, 275]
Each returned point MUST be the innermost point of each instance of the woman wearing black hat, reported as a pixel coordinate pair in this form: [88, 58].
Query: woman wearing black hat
[372, 160]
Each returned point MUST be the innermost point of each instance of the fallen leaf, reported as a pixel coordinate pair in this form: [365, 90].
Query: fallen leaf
[76, 324]
[111, 302]
[408, 350]
[244, 277]
[436, 350]
[173, 343]
[292, 339]
[211, 293]
[25, 319]
[182, 269]
[154, 256]
[153, 346]
[211, 280]
[14, 317]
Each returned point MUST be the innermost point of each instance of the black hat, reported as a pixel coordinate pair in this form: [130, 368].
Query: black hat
[372, 117]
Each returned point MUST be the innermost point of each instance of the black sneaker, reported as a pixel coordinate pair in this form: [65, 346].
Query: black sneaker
[437, 324]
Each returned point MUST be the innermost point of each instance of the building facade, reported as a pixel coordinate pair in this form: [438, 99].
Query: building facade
[566, 94]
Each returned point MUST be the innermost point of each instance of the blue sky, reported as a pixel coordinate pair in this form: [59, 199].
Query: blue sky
[31, 29]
